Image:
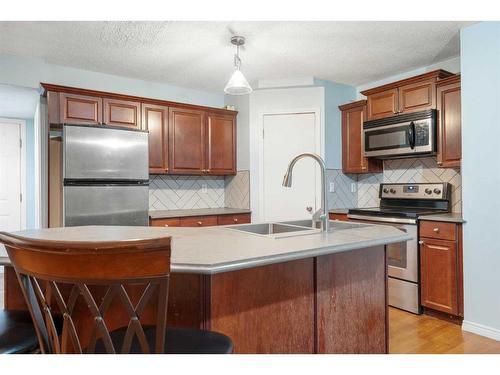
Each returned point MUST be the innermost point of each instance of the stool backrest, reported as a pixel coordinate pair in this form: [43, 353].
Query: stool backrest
[96, 287]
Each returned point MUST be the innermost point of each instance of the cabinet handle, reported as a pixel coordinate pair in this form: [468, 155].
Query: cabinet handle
[436, 230]
[440, 163]
[166, 225]
[200, 222]
[420, 242]
[235, 220]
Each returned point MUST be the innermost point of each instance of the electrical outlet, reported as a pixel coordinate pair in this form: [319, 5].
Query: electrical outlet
[353, 187]
[204, 188]
[332, 187]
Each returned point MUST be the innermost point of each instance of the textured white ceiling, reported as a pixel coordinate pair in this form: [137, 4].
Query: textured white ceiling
[199, 55]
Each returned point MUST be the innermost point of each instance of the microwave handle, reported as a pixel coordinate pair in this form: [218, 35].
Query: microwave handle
[411, 135]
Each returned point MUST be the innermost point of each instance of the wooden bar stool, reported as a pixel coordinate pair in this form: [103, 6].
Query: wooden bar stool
[110, 288]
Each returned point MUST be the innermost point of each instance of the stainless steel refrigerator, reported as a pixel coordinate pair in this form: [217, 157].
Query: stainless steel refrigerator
[105, 176]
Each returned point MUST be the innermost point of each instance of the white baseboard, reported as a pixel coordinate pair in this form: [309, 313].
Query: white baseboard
[482, 330]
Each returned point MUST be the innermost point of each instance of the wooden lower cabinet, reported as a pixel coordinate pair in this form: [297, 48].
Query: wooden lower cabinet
[441, 286]
[341, 217]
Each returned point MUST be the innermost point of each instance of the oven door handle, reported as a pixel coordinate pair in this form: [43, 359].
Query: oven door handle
[412, 135]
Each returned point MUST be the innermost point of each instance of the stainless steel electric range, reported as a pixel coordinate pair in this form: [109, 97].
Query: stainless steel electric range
[401, 205]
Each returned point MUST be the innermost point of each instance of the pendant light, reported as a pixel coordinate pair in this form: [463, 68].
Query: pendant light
[238, 84]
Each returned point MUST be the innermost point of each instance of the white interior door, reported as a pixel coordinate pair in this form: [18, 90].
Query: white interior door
[10, 178]
[285, 136]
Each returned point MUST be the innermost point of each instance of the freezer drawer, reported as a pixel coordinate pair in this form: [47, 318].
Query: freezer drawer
[106, 205]
[96, 152]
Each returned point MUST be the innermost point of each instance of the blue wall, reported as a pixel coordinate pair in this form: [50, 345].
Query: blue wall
[335, 95]
[480, 68]
[28, 72]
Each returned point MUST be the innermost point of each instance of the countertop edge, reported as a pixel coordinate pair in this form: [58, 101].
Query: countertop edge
[263, 261]
[443, 218]
[165, 214]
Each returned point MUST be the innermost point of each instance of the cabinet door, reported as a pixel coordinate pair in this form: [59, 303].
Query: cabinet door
[80, 109]
[122, 113]
[353, 160]
[438, 268]
[416, 97]
[449, 146]
[383, 104]
[221, 144]
[186, 141]
[155, 120]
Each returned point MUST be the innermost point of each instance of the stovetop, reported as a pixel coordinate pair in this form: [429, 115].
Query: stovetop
[407, 202]
[398, 212]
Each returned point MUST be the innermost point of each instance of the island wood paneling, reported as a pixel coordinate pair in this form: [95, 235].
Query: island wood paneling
[268, 309]
[351, 304]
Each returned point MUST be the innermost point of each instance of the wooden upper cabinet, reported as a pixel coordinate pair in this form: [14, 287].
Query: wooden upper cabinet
[122, 113]
[155, 121]
[186, 141]
[438, 264]
[449, 148]
[221, 144]
[417, 97]
[405, 96]
[353, 161]
[80, 109]
[383, 104]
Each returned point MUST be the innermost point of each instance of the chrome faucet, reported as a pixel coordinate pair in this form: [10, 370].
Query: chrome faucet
[322, 214]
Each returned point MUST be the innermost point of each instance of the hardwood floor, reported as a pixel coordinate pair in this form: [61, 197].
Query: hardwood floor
[423, 334]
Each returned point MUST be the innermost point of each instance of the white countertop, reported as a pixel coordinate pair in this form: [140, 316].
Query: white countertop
[218, 249]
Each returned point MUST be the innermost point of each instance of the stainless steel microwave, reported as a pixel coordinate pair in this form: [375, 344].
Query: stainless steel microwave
[401, 136]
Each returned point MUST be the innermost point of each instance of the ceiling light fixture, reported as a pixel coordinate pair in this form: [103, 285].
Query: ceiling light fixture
[238, 84]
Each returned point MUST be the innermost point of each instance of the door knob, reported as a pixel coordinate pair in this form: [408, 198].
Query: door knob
[309, 209]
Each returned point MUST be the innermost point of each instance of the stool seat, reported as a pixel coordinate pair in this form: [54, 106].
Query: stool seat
[17, 332]
[177, 341]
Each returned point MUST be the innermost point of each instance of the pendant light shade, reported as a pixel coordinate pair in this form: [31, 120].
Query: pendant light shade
[238, 84]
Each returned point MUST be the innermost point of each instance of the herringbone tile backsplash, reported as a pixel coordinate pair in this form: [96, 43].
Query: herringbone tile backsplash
[417, 170]
[343, 197]
[237, 190]
[185, 192]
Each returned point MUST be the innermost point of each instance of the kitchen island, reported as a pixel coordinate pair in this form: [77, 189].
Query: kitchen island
[309, 293]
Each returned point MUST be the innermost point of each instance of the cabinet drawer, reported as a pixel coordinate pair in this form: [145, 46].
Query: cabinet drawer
[198, 221]
[173, 222]
[439, 230]
[233, 219]
[341, 217]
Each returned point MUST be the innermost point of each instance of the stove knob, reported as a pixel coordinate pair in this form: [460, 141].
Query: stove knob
[385, 190]
[393, 191]
[437, 191]
[428, 191]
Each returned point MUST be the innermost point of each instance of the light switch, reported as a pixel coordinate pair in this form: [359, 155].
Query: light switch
[204, 188]
[332, 187]
[353, 187]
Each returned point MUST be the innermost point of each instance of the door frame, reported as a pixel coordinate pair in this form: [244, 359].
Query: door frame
[319, 149]
[22, 125]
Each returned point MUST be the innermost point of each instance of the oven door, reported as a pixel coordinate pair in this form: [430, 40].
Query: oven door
[402, 257]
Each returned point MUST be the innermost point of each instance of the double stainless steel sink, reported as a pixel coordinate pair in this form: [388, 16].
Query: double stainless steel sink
[291, 228]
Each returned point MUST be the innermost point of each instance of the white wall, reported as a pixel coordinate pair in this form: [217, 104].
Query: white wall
[271, 101]
[452, 65]
[480, 60]
[242, 105]
[27, 72]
